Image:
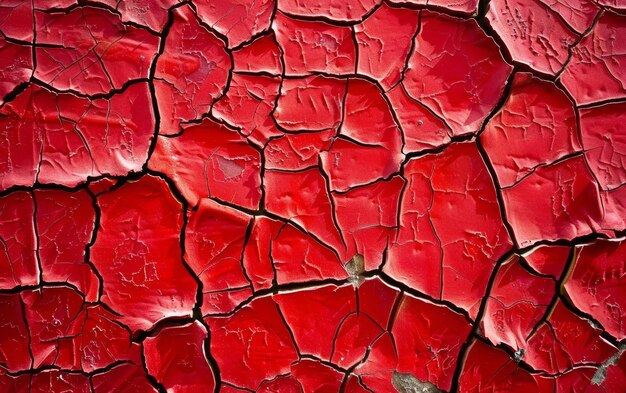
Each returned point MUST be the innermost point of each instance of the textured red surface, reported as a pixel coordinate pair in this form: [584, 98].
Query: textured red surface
[358, 196]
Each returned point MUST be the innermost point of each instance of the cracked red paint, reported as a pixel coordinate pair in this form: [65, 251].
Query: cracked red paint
[596, 69]
[139, 255]
[210, 160]
[566, 203]
[518, 300]
[64, 139]
[450, 231]
[65, 223]
[533, 32]
[565, 340]
[191, 72]
[456, 70]
[318, 196]
[100, 54]
[175, 357]
[16, 66]
[605, 143]
[310, 46]
[596, 284]
[536, 126]
[383, 51]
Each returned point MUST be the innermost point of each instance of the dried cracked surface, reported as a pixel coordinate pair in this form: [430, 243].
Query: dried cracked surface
[354, 196]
